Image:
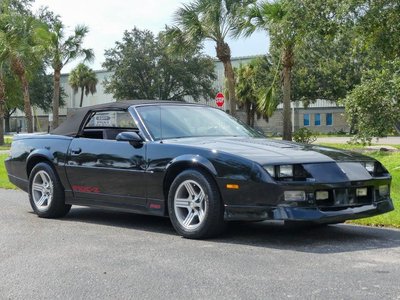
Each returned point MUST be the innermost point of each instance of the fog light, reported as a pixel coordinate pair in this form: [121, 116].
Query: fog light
[295, 196]
[322, 195]
[362, 192]
[383, 190]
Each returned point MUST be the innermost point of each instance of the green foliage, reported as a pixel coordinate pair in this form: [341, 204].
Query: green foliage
[145, 68]
[22, 40]
[373, 107]
[326, 68]
[84, 78]
[212, 20]
[252, 81]
[22, 48]
[40, 88]
[304, 135]
[378, 26]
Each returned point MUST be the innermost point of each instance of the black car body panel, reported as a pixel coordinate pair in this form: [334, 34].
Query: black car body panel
[120, 175]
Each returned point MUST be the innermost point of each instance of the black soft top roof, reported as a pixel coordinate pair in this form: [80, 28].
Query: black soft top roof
[71, 126]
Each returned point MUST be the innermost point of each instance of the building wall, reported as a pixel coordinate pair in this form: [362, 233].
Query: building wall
[274, 126]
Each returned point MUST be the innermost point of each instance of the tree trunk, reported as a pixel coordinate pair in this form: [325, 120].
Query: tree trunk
[7, 123]
[252, 114]
[81, 103]
[2, 105]
[1, 124]
[287, 62]
[56, 98]
[248, 112]
[27, 103]
[19, 69]
[7, 117]
[224, 55]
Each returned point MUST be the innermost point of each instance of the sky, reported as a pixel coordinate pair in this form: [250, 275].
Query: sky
[108, 19]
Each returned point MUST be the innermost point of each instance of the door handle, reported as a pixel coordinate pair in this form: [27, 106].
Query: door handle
[76, 151]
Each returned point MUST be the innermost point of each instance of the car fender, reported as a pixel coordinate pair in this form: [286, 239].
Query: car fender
[39, 153]
[194, 160]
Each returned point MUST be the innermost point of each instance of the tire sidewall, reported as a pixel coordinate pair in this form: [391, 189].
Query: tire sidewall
[58, 199]
[213, 202]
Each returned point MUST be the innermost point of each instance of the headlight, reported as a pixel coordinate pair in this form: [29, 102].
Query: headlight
[288, 172]
[370, 166]
[285, 171]
[270, 170]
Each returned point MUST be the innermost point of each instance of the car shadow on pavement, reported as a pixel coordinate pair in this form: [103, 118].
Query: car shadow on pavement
[273, 235]
[327, 239]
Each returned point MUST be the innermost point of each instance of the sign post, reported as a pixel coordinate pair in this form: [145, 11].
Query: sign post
[220, 99]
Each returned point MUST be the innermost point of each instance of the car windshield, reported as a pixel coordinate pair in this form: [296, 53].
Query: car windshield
[182, 121]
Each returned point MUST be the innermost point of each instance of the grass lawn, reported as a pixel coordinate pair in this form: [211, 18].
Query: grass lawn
[391, 160]
[4, 183]
[7, 143]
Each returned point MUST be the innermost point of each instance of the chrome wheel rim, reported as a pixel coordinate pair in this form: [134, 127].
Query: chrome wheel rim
[42, 190]
[190, 204]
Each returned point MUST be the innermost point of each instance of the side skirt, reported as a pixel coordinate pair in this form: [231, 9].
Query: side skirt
[150, 209]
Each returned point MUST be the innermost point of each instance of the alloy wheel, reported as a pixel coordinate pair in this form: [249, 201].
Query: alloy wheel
[190, 204]
[42, 190]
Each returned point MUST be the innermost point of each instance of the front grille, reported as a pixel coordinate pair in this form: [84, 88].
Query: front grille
[345, 197]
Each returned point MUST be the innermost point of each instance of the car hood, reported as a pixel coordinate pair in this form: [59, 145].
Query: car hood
[270, 151]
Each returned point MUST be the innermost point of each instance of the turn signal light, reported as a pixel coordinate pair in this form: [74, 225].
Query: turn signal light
[232, 186]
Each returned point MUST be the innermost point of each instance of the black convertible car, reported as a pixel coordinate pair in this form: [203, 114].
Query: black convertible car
[193, 163]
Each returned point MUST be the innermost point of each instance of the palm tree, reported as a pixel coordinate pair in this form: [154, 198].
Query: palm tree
[2, 104]
[62, 51]
[246, 90]
[212, 20]
[22, 45]
[276, 19]
[84, 78]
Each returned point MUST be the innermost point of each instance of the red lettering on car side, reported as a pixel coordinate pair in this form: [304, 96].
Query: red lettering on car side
[85, 189]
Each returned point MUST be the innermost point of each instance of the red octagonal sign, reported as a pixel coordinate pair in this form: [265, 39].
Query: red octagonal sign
[220, 99]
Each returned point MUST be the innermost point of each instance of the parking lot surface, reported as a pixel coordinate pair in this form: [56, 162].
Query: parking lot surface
[98, 254]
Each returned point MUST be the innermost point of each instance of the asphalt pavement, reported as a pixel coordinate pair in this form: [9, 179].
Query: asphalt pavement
[98, 254]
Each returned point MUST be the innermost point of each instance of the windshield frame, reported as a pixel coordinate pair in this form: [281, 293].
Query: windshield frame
[253, 133]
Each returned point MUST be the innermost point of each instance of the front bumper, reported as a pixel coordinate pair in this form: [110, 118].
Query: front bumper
[313, 214]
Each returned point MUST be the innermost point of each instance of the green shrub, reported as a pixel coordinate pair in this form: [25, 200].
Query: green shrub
[304, 135]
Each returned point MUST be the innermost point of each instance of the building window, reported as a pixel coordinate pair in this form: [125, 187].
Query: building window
[329, 119]
[317, 119]
[306, 120]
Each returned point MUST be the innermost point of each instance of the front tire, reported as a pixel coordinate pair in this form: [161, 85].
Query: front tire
[46, 193]
[195, 205]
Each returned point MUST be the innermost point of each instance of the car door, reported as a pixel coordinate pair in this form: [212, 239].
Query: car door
[106, 172]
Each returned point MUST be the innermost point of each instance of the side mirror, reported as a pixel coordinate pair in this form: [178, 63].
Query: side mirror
[131, 137]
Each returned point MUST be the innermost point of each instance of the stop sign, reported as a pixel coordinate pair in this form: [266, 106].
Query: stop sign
[220, 99]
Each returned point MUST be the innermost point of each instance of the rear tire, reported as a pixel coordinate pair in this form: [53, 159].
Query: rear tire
[195, 206]
[46, 193]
